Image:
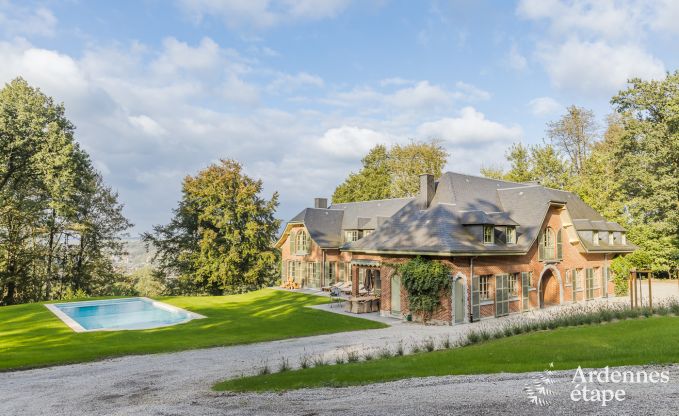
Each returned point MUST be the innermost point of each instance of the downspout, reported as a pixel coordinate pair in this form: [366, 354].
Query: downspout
[470, 289]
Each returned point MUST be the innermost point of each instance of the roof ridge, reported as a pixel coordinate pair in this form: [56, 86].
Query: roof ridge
[373, 200]
[484, 177]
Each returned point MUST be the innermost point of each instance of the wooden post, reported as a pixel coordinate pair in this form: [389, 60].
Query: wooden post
[634, 288]
[630, 283]
[650, 292]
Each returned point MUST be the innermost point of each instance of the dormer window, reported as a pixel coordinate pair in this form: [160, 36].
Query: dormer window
[623, 239]
[595, 238]
[510, 235]
[351, 236]
[488, 234]
[367, 232]
[611, 239]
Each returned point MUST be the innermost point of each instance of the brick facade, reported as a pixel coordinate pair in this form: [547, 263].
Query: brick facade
[553, 277]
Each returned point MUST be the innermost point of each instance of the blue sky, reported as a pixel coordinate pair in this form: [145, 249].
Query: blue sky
[299, 90]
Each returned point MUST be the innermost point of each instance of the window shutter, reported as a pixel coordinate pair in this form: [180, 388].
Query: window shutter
[604, 282]
[525, 288]
[476, 307]
[574, 281]
[559, 246]
[308, 243]
[292, 242]
[541, 247]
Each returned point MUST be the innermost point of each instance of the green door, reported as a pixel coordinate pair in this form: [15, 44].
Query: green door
[396, 295]
[458, 296]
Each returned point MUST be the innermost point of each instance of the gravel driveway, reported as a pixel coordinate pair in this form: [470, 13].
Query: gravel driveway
[179, 383]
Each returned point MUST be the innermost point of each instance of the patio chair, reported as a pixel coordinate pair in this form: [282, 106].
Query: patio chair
[336, 296]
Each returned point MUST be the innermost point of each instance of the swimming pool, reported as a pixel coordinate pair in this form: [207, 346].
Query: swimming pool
[117, 314]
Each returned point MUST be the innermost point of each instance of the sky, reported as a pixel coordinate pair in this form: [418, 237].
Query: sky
[299, 90]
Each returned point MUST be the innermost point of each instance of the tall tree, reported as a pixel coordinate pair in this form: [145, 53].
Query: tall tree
[536, 163]
[220, 238]
[647, 163]
[44, 179]
[371, 182]
[574, 134]
[392, 173]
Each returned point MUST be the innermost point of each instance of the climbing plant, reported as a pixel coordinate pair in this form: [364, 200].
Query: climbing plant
[424, 280]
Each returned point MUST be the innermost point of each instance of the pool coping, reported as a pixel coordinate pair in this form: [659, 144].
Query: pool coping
[76, 327]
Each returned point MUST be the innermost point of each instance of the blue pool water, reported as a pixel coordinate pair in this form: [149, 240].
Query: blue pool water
[132, 313]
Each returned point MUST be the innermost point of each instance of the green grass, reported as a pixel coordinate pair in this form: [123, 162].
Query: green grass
[32, 336]
[633, 342]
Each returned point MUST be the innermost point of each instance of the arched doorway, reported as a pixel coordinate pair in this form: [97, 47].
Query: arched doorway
[550, 290]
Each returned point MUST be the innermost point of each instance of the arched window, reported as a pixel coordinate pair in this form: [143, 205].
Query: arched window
[550, 245]
[302, 242]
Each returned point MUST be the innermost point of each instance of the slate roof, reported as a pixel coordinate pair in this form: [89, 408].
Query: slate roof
[326, 225]
[462, 203]
[452, 224]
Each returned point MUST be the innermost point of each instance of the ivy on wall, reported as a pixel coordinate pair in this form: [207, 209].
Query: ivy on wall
[424, 280]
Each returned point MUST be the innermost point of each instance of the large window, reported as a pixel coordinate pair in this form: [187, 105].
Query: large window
[488, 234]
[302, 244]
[589, 284]
[331, 272]
[501, 295]
[510, 235]
[550, 246]
[484, 287]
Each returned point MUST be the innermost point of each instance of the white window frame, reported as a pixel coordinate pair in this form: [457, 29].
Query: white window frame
[487, 228]
[512, 233]
[513, 286]
[351, 235]
[484, 287]
[595, 238]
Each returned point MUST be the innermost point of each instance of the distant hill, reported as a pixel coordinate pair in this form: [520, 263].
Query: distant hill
[136, 257]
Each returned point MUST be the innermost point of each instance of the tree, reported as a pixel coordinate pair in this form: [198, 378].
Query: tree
[220, 237]
[408, 162]
[392, 173]
[574, 134]
[371, 182]
[45, 182]
[536, 163]
[647, 164]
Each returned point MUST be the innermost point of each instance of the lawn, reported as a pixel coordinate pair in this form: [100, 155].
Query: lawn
[31, 336]
[632, 342]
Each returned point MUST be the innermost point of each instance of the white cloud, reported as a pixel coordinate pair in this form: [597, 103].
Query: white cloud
[422, 95]
[602, 18]
[147, 125]
[18, 20]
[515, 59]
[288, 83]
[239, 91]
[542, 106]
[178, 55]
[470, 129]
[469, 92]
[350, 142]
[263, 13]
[597, 68]
[666, 16]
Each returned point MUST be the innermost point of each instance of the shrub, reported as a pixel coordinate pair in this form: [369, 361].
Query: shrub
[352, 356]
[429, 344]
[264, 369]
[445, 343]
[367, 356]
[319, 360]
[339, 359]
[284, 365]
[304, 361]
[384, 353]
[399, 348]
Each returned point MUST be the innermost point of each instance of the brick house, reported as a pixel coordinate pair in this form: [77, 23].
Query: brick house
[511, 247]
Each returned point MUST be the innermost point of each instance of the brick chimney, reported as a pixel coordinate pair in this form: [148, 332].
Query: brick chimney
[320, 202]
[427, 190]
